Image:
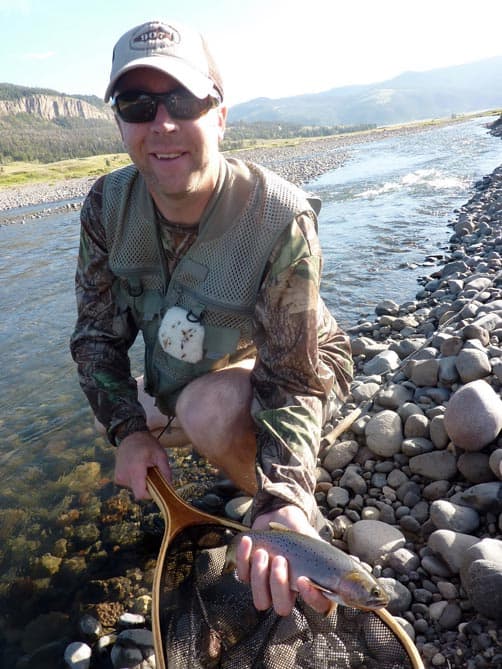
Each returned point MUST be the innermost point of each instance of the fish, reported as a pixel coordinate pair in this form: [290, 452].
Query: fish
[339, 576]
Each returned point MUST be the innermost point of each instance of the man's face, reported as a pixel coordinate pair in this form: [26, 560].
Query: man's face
[179, 159]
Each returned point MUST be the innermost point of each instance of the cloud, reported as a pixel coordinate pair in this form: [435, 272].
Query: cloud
[39, 56]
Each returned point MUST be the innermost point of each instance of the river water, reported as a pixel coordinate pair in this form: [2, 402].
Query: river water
[383, 213]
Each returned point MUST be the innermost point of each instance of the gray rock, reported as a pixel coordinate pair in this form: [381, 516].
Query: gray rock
[474, 467]
[364, 391]
[448, 372]
[451, 546]
[387, 308]
[447, 589]
[338, 455]
[416, 446]
[90, 627]
[483, 497]
[448, 516]
[473, 416]
[451, 346]
[134, 648]
[436, 490]
[472, 365]
[438, 434]
[435, 466]
[416, 425]
[366, 347]
[402, 560]
[78, 655]
[435, 566]
[352, 480]
[481, 576]
[382, 363]
[396, 478]
[450, 617]
[393, 396]
[424, 372]
[399, 595]
[495, 462]
[131, 620]
[337, 496]
[384, 433]
[372, 540]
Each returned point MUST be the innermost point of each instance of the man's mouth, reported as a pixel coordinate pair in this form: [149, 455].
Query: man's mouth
[167, 156]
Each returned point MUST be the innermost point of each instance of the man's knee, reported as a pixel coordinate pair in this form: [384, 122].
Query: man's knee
[216, 402]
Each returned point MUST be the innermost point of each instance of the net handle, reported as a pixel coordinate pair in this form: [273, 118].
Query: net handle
[177, 513]
[399, 631]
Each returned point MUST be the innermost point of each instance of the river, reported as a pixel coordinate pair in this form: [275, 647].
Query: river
[385, 211]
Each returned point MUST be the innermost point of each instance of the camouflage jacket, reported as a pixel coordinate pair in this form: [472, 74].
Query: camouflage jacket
[303, 357]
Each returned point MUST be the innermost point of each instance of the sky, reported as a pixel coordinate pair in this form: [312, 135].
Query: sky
[264, 48]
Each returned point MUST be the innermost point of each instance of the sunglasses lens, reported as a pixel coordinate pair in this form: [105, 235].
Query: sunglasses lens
[138, 107]
[135, 107]
[187, 107]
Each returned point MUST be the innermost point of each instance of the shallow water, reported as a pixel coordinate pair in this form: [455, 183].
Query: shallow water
[385, 210]
[389, 207]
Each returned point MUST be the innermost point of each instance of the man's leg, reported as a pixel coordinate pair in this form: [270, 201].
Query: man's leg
[214, 413]
[166, 430]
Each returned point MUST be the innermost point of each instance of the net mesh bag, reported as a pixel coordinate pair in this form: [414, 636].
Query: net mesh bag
[207, 619]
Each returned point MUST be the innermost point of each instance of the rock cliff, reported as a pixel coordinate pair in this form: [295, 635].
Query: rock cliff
[51, 107]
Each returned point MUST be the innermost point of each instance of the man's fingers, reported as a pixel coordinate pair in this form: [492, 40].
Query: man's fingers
[260, 580]
[244, 559]
[282, 596]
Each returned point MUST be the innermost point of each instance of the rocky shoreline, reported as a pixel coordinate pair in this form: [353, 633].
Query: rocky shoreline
[412, 485]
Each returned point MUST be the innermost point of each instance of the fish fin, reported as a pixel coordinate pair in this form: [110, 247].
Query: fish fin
[333, 599]
[279, 526]
[332, 608]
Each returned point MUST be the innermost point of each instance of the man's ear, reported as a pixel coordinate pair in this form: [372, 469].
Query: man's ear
[222, 121]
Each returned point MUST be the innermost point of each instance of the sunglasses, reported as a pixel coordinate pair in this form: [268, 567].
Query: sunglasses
[141, 107]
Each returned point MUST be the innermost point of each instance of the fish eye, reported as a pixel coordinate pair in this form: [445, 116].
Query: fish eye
[376, 591]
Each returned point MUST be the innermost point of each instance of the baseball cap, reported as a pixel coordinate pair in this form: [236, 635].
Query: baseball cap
[172, 48]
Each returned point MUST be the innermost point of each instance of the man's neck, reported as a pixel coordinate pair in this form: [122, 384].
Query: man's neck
[181, 210]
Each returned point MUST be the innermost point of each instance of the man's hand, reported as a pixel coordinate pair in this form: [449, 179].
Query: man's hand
[136, 453]
[269, 577]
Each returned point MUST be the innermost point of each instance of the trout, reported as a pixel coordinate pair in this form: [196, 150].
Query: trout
[340, 577]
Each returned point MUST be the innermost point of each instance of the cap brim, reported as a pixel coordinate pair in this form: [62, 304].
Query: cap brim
[194, 81]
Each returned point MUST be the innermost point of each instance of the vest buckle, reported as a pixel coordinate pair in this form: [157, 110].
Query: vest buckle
[135, 288]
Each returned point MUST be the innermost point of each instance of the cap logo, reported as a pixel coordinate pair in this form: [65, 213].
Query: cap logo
[155, 38]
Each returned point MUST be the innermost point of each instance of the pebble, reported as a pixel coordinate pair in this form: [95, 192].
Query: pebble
[78, 655]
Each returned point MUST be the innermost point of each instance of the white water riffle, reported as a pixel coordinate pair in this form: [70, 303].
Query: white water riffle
[388, 208]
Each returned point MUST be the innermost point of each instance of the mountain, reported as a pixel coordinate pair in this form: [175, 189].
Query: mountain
[408, 97]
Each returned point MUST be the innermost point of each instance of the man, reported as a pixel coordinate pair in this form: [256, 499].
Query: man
[217, 263]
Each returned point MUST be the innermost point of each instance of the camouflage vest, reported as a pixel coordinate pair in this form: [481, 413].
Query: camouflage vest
[217, 280]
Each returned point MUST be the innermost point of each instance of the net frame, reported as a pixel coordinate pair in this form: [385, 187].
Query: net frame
[189, 531]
